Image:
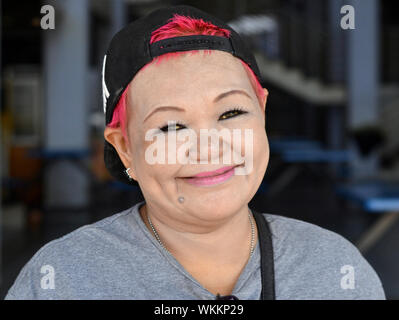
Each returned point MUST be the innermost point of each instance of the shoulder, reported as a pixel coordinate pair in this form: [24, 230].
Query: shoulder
[74, 257]
[316, 263]
[289, 231]
[107, 230]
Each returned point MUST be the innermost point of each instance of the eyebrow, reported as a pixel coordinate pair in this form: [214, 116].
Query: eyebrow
[235, 91]
[217, 99]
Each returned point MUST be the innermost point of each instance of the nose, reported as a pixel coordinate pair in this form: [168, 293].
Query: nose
[208, 147]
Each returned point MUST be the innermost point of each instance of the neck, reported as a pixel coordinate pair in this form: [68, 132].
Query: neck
[220, 243]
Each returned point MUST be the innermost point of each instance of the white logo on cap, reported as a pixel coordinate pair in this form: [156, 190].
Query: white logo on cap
[105, 89]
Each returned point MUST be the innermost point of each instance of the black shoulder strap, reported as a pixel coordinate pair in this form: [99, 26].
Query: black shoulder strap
[266, 256]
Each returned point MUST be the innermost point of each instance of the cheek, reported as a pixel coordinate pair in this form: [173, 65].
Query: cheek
[152, 161]
[261, 145]
[254, 137]
[256, 150]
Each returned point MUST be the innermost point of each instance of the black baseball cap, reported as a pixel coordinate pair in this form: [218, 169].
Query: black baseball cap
[130, 50]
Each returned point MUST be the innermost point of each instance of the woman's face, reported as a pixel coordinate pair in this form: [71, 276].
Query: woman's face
[186, 88]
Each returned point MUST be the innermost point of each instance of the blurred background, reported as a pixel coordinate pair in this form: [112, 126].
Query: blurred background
[332, 119]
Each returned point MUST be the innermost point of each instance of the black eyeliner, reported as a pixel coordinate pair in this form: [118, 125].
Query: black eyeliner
[235, 109]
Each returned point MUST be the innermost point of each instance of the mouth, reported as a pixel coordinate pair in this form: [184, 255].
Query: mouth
[212, 177]
[214, 173]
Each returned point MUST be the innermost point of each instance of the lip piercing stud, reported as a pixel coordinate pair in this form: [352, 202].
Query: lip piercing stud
[181, 199]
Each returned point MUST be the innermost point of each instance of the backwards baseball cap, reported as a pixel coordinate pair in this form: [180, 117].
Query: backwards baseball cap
[130, 50]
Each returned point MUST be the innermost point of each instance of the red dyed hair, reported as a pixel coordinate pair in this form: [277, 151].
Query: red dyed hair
[176, 27]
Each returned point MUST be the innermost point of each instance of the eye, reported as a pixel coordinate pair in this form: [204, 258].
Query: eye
[172, 127]
[232, 113]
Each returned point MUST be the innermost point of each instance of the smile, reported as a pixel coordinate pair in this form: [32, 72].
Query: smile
[213, 177]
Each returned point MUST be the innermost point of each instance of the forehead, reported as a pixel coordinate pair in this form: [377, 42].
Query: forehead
[188, 76]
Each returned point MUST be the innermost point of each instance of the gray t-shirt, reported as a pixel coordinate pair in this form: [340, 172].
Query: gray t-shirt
[118, 258]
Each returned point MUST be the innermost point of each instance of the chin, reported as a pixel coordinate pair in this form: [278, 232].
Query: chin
[219, 204]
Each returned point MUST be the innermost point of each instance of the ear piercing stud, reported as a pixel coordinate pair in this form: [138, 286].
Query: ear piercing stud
[128, 174]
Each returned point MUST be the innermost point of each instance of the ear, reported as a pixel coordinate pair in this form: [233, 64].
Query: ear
[115, 137]
[264, 101]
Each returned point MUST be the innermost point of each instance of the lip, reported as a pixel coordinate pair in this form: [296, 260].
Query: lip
[212, 173]
[212, 177]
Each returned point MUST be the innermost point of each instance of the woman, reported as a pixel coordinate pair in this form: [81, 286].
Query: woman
[194, 236]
